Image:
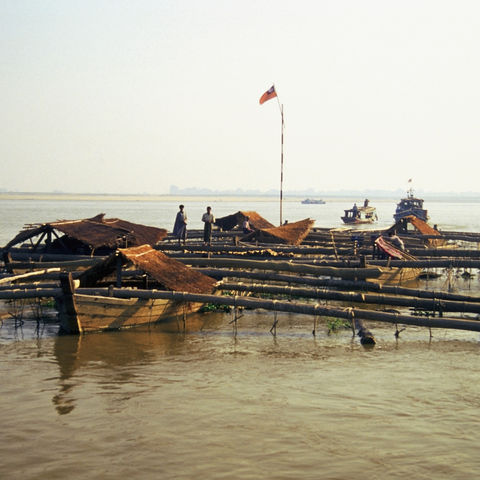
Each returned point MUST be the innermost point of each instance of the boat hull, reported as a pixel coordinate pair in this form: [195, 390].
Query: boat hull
[357, 221]
[92, 313]
[397, 275]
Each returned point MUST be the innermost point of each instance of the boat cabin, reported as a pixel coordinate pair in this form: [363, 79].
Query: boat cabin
[410, 205]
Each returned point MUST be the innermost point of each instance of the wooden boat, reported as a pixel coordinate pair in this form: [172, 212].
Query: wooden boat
[397, 275]
[79, 313]
[313, 201]
[392, 275]
[410, 205]
[360, 215]
[94, 313]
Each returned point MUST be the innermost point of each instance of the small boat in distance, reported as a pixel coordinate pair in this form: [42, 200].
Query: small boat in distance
[313, 201]
[358, 215]
[410, 205]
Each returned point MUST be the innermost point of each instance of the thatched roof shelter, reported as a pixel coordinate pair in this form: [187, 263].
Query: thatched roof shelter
[290, 233]
[170, 274]
[87, 235]
[236, 220]
[419, 226]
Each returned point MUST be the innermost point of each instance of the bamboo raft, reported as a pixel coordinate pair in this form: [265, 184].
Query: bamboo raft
[327, 263]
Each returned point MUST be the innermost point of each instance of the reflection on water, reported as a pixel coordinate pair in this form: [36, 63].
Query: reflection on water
[115, 350]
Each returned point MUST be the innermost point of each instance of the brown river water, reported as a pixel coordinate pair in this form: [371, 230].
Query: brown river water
[206, 403]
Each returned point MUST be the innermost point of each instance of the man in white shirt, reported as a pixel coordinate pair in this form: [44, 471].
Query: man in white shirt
[209, 220]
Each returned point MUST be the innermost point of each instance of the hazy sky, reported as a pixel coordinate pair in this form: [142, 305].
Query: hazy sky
[134, 96]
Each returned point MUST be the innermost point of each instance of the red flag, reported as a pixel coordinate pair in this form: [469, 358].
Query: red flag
[269, 94]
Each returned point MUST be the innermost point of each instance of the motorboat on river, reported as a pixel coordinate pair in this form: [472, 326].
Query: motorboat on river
[359, 215]
[410, 205]
[313, 201]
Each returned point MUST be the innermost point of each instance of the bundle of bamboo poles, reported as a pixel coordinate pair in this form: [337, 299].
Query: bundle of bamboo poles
[314, 309]
[326, 265]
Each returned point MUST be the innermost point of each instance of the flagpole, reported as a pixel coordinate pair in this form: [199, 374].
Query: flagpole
[281, 170]
[281, 161]
[270, 93]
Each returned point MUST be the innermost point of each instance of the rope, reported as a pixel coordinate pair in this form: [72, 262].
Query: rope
[314, 331]
[273, 330]
[235, 316]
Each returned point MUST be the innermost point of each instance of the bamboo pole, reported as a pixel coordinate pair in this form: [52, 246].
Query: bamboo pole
[341, 268]
[293, 307]
[229, 248]
[334, 250]
[363, 286]
[339, 284]
[249, 302]
[358, 273]
[352, 297]
[418, 263]
[19, 293]
[37, 273]
[444, 263]
[29, 286]
[352, 262]
[22, 254]
[71, 264]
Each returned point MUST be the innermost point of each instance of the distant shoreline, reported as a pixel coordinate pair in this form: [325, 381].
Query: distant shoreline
[474, 198]
[132, 197]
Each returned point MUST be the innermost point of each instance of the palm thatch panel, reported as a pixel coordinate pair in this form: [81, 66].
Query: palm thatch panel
[170, 273]
[236, 220]
[291, 233]
[92, 233]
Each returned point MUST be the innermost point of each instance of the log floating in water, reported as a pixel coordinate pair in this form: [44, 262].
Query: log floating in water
[366, 336]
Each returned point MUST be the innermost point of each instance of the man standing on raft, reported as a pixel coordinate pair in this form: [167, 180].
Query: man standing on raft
[209, 220]
[180, 227]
